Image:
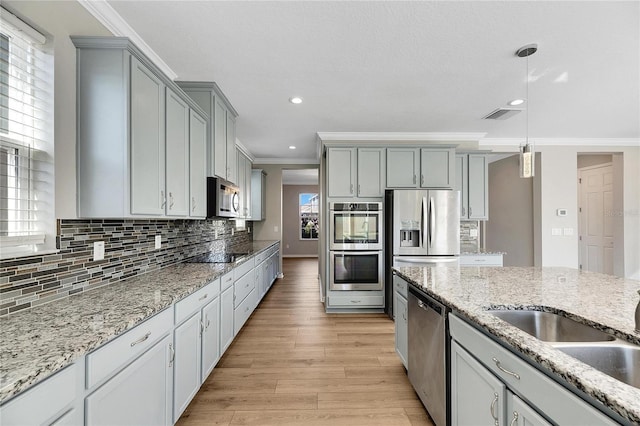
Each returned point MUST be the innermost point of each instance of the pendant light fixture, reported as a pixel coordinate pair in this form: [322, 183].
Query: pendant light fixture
[527, 154]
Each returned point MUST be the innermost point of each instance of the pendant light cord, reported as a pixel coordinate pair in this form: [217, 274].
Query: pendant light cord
[528, 101]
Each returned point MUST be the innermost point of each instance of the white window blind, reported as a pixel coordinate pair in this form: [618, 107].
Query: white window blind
[27, 221]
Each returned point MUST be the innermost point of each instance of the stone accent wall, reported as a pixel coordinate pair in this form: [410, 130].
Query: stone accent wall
[129, 250]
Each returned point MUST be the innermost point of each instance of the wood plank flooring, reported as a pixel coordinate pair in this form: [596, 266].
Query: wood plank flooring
[293, 364]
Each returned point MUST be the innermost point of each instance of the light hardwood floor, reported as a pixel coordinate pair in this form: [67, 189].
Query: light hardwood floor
[293, 364]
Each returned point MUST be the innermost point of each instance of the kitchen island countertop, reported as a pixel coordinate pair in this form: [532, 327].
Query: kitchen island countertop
[603, 301]
[36, 343]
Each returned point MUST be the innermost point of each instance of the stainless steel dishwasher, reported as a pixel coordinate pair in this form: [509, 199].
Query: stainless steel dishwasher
[428, 366]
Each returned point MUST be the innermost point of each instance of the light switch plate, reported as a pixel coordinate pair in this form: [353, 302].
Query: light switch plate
[158, 241]
[567, 231]
[98, 250]
[556, 231]
[275, 228]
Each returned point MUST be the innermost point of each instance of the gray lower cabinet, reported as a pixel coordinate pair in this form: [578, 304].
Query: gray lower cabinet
[133, 134]
[187, 364]
[226, 312]
[210, 338]
[140, 394]
[401, 318]
[484, 387]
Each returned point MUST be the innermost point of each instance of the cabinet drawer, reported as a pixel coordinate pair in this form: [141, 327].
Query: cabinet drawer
[104, 361]
[557, 402]
[260, 257]
[226, 281]
[481, 260]
[400, 286]
[243, 269]
[242, 288]
[242, 313]
[356, 301]
[197, 300]
[42, 402]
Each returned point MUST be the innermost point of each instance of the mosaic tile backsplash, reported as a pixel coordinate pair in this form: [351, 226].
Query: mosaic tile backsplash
[467, 242]
[129, 250]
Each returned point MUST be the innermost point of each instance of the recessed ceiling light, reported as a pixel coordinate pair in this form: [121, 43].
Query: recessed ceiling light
[292, 147]
[295, 100]
[516, 102]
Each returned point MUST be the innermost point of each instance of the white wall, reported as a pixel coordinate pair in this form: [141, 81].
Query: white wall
[60, 19]
[558, 189]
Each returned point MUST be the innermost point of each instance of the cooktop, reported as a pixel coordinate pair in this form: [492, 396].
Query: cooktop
[217, 258]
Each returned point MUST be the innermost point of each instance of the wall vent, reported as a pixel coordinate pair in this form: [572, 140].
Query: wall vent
[502, 114]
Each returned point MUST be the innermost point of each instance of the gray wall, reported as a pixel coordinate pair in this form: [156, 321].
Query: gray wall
[291, 243]
[510, 224]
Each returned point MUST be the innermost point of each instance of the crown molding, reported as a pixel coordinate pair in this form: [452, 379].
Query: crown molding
[108, 17]
[286, 161]
[608, 142]
[244, 150]
[401, 136]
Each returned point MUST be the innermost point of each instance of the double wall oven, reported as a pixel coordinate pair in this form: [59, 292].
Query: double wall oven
[356, 261]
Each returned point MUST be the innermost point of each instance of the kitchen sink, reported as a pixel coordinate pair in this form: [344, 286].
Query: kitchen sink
[620, 361]
[551, 327]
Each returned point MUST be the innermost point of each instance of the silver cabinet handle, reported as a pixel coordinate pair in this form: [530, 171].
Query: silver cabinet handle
[201, 327]
[351, 189]
[464, 212]
[173, 354]
[493, 406]
[164, 201]
[203, 297]
[170, 201]
[140, 340]
[193, 201]
[404, 316]
[355, 301]
[414, 178]
[421, 179]
[470, 211]
[208, 322]
[501, 368]
[514, 421]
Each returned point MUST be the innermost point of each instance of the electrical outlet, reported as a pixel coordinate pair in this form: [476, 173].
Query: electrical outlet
[233, 231]
[287, 245]
[215, 234]
[248, 230]
[158, 241]
[473, 232]
[98, 250]
[275, 228]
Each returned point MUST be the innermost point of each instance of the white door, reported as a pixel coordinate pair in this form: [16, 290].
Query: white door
[596, 219]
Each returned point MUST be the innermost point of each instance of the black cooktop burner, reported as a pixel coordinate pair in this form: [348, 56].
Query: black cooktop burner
[217, 258]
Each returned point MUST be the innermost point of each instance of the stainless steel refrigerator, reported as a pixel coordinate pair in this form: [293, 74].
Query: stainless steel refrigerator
[422, 228]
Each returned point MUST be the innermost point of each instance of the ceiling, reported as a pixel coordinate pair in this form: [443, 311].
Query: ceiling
[300, 177]
[391, 66]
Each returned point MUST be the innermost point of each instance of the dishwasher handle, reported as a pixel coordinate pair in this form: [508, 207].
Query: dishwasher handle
[425, 303]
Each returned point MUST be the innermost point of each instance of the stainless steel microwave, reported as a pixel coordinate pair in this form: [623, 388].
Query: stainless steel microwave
[223, 198]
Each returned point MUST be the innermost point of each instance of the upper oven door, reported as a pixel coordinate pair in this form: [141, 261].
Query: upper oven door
[355, 230]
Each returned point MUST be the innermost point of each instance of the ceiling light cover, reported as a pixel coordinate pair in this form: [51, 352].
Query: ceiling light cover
[516, 102]
[292, 147]
[295, 100]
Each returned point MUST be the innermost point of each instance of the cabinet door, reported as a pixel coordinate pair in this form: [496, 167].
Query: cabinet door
[519, 413]
[477, 396]
[138, 395]
[401, 327]
[260, 281]
[248, 187]
[210, 337]
[220, 138]
[147, 142]
[226, 319]
[341, 164]
[232, 172]
[177, 155]
[187, 364]
[197, 165]
[461, 184]
[240, 160]
[402, 167]
[437, 168]
[370, 172]
[478, 187]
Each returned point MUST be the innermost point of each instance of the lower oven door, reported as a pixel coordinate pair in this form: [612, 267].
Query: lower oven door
[356, 270]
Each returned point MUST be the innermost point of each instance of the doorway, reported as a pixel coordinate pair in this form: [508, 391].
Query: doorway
[596, 213]
[300, 212]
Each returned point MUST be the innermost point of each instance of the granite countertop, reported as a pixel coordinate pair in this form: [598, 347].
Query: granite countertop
[36, 343]
[604, 301]
[481, 252]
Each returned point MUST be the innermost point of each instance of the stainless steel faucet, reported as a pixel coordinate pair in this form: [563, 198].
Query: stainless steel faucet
[638, 315]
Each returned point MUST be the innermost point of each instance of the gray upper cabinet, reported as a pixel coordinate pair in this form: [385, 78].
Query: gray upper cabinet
[355, 172]
[473, 183]
[147, 142]
[177, 153]
[258, 194]
[244, 184]
[221, 130]
[431, 167]
[132, 134]
[197, 166]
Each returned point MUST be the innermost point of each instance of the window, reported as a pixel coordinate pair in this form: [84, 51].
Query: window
[27, 222]
[308, 216]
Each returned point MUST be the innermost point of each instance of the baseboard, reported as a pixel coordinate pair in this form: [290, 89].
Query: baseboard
[300, 255]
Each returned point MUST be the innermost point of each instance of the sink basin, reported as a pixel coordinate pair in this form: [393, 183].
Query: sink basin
[551, 327]
[622, 362]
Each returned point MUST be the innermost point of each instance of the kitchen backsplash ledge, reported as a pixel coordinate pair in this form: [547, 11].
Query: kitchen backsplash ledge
[26, 282]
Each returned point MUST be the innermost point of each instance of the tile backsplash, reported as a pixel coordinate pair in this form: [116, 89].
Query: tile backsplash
[129, 250]
[467, 242]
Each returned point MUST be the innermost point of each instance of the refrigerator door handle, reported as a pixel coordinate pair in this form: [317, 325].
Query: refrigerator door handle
[422, 220]
[432, 220]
